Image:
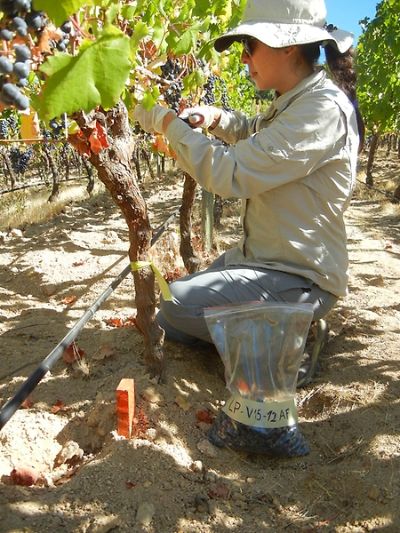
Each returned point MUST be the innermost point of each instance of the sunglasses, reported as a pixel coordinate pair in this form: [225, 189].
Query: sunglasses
[249, 45]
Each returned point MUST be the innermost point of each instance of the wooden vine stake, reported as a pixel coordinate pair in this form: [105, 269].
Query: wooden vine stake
[125, 407]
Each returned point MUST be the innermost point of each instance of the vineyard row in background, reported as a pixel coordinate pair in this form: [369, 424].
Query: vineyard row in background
[53, 161]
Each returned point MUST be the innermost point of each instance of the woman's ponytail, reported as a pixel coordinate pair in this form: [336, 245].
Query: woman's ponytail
[343, 72]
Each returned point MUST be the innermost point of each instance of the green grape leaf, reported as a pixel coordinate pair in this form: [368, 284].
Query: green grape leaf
[60, 11]
[96, 76]
[182, 43]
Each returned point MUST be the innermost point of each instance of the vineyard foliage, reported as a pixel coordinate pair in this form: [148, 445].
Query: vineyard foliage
[378, 61]
[120, 48]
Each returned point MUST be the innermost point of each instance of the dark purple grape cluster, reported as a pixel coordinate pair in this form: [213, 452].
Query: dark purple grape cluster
[208, 97]
[20, 159]
[172, 72]
[3, 128]
[9, 126]
[224, 95]
[15, 63]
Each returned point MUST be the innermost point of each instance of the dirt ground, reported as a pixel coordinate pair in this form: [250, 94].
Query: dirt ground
[167, 479]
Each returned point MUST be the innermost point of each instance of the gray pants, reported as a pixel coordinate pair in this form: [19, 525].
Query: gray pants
[183, 317]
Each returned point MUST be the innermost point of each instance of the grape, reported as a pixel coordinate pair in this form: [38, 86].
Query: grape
[22, 82]
[21, 102]
[62, 45]
[8, 7]
[21, 70]
[6, 34]
[9, 93]
[6, 66]
[22, 52]
[20, 26]
[35, 20]
[66, 27]
[22, 5]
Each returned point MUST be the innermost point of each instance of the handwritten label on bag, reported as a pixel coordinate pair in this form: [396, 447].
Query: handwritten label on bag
[268, 414]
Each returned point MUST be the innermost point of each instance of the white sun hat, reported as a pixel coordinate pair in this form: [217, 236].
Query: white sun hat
[280, 23]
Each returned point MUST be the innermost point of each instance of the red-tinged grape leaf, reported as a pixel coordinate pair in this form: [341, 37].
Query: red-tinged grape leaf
[204, 415]
[27, 404]
[60, 11]
[160, 145]
[95, 76]
[98, 139]
[69, 300]
[80, 143]
[130, 484]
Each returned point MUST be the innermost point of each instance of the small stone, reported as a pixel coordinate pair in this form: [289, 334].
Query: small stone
[196, 466]
[183, 402]
[204, 446]
[151, 395]
[145, 513]
[203, 426]
[15, 232]
[50, 289]
[151, 434]
[104, 524]
[70, 454]
[374, 494]
[211, 476]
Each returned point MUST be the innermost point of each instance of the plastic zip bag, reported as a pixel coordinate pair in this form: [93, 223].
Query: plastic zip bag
[261, 345]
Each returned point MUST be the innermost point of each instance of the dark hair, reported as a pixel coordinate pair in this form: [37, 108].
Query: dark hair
[341, 67]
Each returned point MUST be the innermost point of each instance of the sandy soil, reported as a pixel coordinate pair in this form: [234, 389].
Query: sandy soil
[167, 479]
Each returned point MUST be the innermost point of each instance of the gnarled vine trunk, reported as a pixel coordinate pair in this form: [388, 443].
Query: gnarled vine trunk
[113, 165]
[371, 156]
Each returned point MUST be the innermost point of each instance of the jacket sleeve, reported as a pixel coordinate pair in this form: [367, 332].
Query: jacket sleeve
[299, 140]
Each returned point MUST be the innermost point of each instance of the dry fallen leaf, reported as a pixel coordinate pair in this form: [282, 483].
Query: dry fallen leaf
[204, 415]
[57, 407]
[69, 300]
[73, 353]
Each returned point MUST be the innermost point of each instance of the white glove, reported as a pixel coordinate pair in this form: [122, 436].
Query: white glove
[152, 120]
[202, 116]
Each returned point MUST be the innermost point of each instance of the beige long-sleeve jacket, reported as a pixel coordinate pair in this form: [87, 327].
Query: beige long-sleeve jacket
[294, 168]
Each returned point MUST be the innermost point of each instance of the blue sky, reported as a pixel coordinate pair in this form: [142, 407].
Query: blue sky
[345, 14]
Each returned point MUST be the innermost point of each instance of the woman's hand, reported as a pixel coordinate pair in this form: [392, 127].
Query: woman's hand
[155, 120]
[205, 116]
